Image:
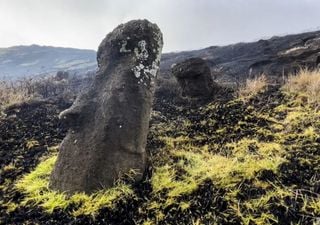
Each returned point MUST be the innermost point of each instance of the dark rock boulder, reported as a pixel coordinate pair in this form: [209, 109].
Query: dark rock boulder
[109, 123]
[194, 77]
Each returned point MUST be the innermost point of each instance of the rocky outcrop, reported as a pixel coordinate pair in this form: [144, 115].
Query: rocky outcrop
[109, 123]
[275, 57]
[194, 77]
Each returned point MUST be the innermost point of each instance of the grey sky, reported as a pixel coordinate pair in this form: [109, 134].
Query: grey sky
[186, 24]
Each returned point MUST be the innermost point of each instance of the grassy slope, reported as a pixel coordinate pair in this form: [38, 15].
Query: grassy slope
[251, 161]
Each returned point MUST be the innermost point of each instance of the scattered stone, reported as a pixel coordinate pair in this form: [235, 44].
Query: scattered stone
[194, 77]
[109, 123]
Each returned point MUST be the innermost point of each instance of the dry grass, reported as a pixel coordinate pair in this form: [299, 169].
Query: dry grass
[252, 87]
[306, 85]
[13, 93]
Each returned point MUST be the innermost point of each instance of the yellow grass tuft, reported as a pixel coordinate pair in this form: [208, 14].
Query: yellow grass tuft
[252, 87]
[11, 94]
[305, 85]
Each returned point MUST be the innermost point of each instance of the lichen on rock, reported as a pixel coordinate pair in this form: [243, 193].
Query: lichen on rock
[123, 47]
[145, 71]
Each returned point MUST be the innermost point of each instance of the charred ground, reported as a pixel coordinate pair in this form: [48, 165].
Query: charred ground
[222, 161]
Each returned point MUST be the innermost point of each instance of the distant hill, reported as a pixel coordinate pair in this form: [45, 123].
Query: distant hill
[276, 56]
[20, 61]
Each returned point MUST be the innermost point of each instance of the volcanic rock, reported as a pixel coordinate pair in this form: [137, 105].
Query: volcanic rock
[109, 122]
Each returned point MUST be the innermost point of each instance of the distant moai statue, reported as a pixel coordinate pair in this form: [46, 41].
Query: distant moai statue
[62, 75]
[194, 78]
[109, 123]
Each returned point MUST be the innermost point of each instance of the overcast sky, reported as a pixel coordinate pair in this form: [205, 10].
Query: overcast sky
[186, 24]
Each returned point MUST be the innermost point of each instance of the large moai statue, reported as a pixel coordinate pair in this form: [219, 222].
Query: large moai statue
[109, 123]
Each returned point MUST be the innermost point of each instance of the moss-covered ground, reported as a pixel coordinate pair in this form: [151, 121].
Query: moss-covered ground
[224, 161]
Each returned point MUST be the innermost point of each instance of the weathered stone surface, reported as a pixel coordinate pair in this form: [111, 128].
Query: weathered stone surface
[194, 77]
[109, 123]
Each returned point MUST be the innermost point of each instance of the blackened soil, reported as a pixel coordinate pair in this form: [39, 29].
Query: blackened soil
[211, 121]
[26, 133]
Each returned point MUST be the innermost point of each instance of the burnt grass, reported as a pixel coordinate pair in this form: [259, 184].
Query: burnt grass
[38, 122]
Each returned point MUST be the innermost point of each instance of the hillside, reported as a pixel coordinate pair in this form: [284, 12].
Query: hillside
[276, 57]
[20, 61]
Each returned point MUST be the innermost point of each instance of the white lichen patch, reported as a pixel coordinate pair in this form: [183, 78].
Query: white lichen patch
[136, 72]
[158, 38]
[141, 51]
[138, 69]
[123, 48]
[153, 70]
[146, 73]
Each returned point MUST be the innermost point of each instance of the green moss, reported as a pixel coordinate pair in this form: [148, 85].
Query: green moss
[314, 205]
[35, 187]
[10, 206]
[228, 164]
[227, 172]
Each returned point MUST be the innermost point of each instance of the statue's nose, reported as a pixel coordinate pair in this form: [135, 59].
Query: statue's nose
[70, 117]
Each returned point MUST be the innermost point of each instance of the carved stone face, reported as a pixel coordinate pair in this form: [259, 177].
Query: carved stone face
[109, 123]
